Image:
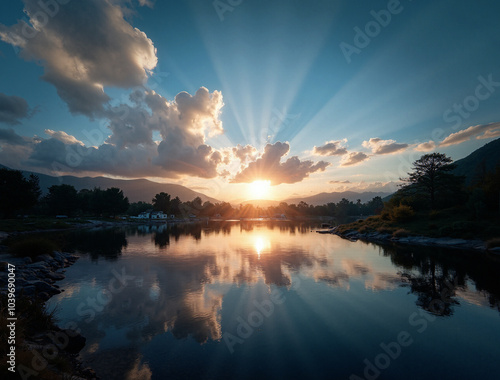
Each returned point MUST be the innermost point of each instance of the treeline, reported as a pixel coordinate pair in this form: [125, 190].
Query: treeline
[20, 195]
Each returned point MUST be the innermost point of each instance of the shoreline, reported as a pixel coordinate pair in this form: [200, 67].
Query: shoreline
[35, 283]
[415, 240]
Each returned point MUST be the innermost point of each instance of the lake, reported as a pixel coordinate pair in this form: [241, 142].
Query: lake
[275, 300]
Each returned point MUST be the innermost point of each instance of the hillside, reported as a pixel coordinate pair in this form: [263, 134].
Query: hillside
[135, 189]
[335, 197]
[483, 159]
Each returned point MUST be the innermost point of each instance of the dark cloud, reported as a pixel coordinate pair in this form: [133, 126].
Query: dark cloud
[12, 109]
[12, 138]
[353, 158]
[379, 146]
[331, 148]
[484, 131]
[83, 46]
[269, 167]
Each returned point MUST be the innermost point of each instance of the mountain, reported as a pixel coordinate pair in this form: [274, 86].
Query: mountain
[335, 197]
[135, 189]
[484, 159]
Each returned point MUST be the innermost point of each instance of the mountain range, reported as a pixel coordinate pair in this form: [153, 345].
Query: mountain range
[135, 189]
[484, 159]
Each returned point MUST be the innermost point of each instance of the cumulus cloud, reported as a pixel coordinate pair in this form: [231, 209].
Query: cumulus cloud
[331, 148]
[269, 167]
[426, 147]
[12, 109]
[63, 137]
[353, 158]
[130, 150]
[484, 131]
[245, 153]
[379, 146]
[83, 46]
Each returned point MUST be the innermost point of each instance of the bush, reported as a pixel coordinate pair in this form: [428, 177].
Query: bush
[363, 229]
[400, 233]
[32, 247]
[446, 231]
[384, 230]
[402, 213]
[385, 215]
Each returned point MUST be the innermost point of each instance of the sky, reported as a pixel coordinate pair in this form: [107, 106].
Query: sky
[303, 97]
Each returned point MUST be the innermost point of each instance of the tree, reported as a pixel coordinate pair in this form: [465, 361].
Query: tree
[62, 199]
[16, 192]
[161, 202]
[431, 178]
[115, 201]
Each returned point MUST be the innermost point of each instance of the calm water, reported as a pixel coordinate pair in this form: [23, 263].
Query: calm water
[255, 300]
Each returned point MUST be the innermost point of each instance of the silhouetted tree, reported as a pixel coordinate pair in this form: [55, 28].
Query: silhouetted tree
[115, 202]
[16, 192]
[431, 178]
[62, 199]
[161, 202]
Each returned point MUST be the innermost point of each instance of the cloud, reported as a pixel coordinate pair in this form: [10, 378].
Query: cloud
[245, 153]
[12, 109]
[130, 150]
[426, 147]
[336, 182]
[270, 167]
[379, 146]
[63, 137]
[484, 131]
[10, 137]
[353, 158]
[331, 148]
[83, 46]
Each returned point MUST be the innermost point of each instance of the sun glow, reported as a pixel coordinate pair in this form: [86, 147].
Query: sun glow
[259, 189]
[260, 245]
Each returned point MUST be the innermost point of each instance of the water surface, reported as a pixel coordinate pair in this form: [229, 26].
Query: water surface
[275, 300]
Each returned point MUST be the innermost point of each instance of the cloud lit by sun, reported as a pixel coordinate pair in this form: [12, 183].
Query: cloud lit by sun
[259, 189]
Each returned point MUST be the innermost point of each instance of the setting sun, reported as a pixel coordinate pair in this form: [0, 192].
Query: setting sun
[259, 189]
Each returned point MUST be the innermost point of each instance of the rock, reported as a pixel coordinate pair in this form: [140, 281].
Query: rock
[56, 276]
[44, 257]
[27, 260]
[42, 286]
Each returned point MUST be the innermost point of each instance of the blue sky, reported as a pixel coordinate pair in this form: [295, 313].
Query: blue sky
[312, 96]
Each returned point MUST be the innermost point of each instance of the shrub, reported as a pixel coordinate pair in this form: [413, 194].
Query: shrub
[363, 229]
[493, 243]
[400, 233]
[384, 230]
[446, 231]
[402, 213]
[385, 215]
[433, 215]
[32, 247]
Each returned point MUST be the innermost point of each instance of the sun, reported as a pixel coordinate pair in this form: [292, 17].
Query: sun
[259, 189]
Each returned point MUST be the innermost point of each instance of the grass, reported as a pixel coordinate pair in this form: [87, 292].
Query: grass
[36, 223]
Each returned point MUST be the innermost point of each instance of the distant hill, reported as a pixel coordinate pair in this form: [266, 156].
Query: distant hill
[335, 197]
[484, 159]
[135, 189]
